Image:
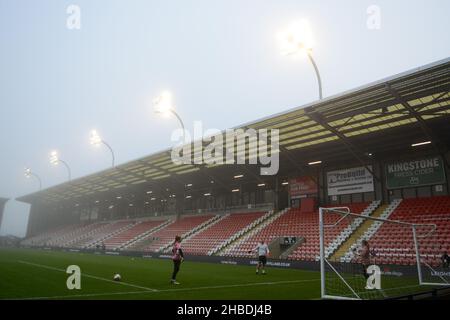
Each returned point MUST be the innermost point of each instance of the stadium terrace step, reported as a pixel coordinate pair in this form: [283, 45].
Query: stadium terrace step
[115, 229]
[84, 235]
[292, 223]
[162, 238]
[371, 230]
[81, 235]
[79, 232]
[362, 228]
[191, 233]
[393, 243]
[307, 225]
[142, 230]
[349, 230]
[47, 238]
[242, 234]
[234, 234]
[218, 234]
[143, 239]
[232, 248]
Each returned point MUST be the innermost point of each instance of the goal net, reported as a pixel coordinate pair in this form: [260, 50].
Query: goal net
[368, 257]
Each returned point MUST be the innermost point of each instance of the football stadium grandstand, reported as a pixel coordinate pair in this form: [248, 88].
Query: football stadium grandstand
[381, 150]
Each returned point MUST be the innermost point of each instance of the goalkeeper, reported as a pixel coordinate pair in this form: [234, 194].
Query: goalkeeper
[364, 256]
[177, 258]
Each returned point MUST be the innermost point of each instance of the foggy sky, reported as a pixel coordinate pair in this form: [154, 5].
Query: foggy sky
[219, 58]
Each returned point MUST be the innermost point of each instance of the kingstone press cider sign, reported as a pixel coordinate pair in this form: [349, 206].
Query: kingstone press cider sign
[406, 174]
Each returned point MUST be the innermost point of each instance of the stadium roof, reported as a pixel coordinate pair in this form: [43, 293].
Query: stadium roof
[414, 105]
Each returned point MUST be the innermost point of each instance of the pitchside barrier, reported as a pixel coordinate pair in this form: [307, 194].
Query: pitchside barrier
[273, 263]
[400, 262]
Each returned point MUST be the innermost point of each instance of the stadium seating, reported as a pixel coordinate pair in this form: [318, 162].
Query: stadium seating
[394, 244]
[293, 223]
[128, 235]
[104, 233]
[162, 238]
[220, 232]
[48, 238]
[237, 233]
[78, 234]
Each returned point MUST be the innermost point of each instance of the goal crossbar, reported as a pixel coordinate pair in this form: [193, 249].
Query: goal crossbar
[346, 214]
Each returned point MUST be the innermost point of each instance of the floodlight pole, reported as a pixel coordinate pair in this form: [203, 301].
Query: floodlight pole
[112, 152]
[69, 172]
[181, 122]
[38, 178]
[316, 69]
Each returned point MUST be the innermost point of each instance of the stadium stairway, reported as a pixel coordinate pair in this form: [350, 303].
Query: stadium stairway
[79, 233]
[393, 243]
[345, 246]
[48, 237]
[229, 249]
[350, 230]
[240, 233]
[215, 219]
[371, 230]
[164, 237]
[82, 234]
[142, 236]
[140, 226]
[112, 230]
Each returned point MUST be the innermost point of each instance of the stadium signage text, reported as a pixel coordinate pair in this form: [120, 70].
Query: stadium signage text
[230, 309]
[420, 172]
[234, 146]
[440, 273]
[188, 310]
[346, 181]
[273, 263]
[302, 186]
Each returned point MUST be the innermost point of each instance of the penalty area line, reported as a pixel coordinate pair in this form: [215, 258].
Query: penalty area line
[87, 276]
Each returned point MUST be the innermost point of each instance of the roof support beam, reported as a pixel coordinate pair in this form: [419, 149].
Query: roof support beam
[288, 155]
[355, 152]
[440, 147]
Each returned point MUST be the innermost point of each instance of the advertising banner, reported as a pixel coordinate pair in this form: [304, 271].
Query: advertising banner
[407, 174]
[346, 181]
[302, 186]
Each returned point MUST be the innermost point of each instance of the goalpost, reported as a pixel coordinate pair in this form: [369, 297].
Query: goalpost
[400, 263]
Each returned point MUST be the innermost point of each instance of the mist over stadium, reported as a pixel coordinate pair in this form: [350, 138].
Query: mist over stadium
[148, 144]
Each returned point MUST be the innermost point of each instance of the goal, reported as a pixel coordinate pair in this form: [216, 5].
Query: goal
[368, 257]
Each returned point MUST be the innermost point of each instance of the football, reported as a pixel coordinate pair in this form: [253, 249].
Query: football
[117, 277]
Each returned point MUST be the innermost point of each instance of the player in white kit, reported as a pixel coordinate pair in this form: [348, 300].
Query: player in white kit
[263, 251]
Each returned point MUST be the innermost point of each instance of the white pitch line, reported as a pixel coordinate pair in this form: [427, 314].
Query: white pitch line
[172, 290]
[87, 275]
[252, 284]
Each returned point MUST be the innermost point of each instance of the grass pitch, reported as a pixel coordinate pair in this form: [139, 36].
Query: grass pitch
[41, 274]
